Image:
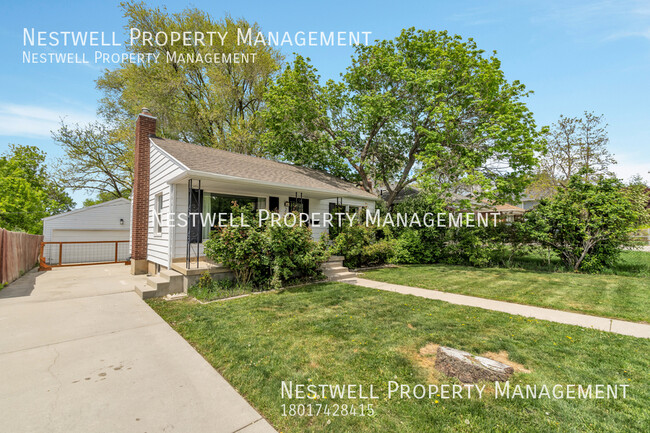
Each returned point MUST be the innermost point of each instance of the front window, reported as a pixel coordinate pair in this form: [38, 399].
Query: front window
[215, 203]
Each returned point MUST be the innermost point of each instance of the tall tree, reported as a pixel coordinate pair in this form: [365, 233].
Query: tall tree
[426, 107]
[28, 192]
[574, 144]
[214, 103]
[97, 158]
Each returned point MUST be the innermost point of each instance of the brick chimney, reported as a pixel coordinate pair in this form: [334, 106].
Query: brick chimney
[145, 127]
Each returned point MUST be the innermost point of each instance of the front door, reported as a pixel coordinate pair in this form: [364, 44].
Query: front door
[300, 205]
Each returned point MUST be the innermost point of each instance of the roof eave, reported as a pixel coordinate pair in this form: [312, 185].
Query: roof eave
[81, 209]
[216, 176]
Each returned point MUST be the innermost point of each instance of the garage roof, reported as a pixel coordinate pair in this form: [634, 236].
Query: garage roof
[83, 209]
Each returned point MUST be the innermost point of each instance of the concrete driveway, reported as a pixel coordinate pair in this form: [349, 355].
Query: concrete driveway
[81, 352]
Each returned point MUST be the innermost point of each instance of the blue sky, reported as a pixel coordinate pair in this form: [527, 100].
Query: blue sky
[575, 56]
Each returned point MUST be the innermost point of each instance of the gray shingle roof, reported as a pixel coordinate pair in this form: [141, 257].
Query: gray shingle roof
[210, 160]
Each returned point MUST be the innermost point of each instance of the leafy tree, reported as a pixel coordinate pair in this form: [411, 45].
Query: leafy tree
[28, 193]
[426, 107]
[573, 144]
[587, 222]
[213, 104]
[97, 158]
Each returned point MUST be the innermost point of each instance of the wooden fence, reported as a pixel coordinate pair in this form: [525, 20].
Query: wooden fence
[18, 254]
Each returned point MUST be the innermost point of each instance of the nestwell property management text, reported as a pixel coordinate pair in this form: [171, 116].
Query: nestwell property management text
[40, 43]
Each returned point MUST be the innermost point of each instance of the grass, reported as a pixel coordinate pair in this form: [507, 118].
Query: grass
[631, 263]
[334, 333]
[614, 296]
[217, 292]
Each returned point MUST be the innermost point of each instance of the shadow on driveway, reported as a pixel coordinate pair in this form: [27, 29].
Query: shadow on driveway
[23, 286]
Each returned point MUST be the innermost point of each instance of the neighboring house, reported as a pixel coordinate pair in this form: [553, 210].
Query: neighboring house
[528, 202]
[507, 212]
[108, 221]
[173, 177]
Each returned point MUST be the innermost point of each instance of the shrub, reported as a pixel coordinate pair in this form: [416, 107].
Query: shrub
[293, 252]
[586, 223]
[378, 253]
[205, 282]
[242, 249]
[266, 256]
[419, 245]
[358, 243]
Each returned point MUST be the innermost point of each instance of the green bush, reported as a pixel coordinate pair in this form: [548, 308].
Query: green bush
[419, 245]
[587, 223]
[364, 245]
[244, 250]
[378, 253]
[267, 256]
[293, 252]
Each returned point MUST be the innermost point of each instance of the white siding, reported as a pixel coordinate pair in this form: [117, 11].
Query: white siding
[162, 169]
[315, 206]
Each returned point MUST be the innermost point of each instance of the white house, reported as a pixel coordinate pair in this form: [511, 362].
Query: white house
[173, 178]
[108, 221]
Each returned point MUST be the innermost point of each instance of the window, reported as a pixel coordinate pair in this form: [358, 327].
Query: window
[157, 217]
[274, 204]
[214, 204]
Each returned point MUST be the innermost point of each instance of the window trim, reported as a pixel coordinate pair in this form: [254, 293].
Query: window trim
[157, 214]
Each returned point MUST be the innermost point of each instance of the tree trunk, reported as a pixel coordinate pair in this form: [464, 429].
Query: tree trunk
[469, 368]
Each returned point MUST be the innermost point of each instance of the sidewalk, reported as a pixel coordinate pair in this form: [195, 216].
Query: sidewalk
[81, 352]
[601, 323]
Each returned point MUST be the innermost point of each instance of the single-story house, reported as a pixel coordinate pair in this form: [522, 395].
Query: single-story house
[108, 221]
[172, 178]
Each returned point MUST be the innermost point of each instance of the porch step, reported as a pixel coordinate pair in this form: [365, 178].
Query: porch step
[334, 270]
[157, 282]
[167, 281]
[145, 291]
[332, 265]
[342, 276]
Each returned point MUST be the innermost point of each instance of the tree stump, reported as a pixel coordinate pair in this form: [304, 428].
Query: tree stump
[469, 368]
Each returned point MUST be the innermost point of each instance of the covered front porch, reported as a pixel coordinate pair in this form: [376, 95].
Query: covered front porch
[213, 195]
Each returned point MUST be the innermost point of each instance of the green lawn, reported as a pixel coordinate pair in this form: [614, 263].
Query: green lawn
[336, 334]
[615, 296]
[631, 263]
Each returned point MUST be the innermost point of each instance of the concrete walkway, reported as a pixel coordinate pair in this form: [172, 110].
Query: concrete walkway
[611, 325]
[81, 352]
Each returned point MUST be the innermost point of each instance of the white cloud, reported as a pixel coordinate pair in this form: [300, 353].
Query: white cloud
[630, 34]
[35, 121]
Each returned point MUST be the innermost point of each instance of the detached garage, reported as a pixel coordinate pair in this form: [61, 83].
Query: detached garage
[84, 233]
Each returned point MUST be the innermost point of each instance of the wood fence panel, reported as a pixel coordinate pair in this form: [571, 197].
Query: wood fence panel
[18, 253]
